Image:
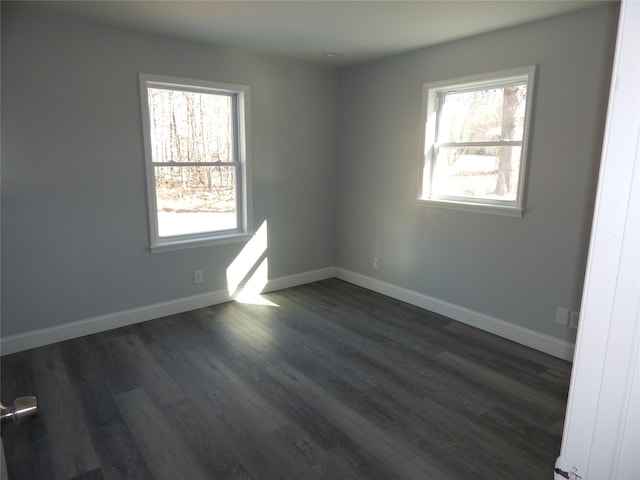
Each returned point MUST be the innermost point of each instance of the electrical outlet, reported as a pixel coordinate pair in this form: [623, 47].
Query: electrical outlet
[573, 319]
[376, 263]
[198, 277]
[562, 316]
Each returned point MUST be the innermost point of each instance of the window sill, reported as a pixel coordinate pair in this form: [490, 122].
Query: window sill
[198, 242]
[473, 207]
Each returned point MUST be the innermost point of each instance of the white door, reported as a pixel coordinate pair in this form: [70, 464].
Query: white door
[601, 438]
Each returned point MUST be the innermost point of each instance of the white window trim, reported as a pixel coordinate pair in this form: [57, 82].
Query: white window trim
[243, 128]
[429, 96]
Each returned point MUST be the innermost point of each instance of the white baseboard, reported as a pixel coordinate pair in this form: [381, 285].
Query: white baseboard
[300, 279]
[101, 323]
[524, 336]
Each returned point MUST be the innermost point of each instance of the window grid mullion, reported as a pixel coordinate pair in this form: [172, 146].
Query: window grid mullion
[195, 164]
[505, 143]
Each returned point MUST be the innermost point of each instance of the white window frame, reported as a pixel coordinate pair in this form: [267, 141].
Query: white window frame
[241, 101]
[429, 114]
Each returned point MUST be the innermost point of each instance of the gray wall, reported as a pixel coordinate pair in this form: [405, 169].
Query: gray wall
[517, 270]
[74, 217]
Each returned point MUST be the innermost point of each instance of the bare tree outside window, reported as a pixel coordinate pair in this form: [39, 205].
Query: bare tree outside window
[194, 160]
[474, 142]
[471, 125]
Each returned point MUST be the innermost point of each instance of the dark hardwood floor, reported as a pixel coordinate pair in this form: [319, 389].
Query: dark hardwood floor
[335, 382]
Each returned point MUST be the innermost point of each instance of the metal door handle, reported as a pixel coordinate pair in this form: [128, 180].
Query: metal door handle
[24, 410]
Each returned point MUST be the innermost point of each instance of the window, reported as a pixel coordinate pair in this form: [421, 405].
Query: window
[196, 159]
[475, 142]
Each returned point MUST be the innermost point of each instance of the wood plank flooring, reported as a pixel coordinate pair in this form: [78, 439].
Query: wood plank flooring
[335, 382]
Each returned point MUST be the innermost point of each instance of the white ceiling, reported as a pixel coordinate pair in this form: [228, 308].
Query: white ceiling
[306, 29]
